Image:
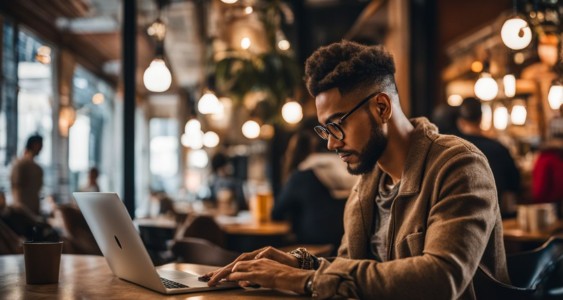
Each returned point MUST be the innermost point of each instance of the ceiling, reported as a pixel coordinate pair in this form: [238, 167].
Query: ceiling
[91, 29]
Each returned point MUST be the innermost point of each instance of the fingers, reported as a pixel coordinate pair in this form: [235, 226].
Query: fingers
[219, 274]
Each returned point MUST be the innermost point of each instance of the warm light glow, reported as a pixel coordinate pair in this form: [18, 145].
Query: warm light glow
[251, 129]
[519, 58]
[455, 100]
[519, 113]
[43, 55]
[516, 34]
[198, 159]
[192, 140]
[547, 48]
[509, 83]
[486, 87]
[292, 112]
[245, 43]
[229, 1]
[98, 98]
[67, 116]
[248, 10]
[487, 118]
[476, 66]
[157, 77]
[157, 30]
[208, 104]
[192, 126]
[555, 96]
[267, 131]
[210, 139]
[284, 45]
[500, 117]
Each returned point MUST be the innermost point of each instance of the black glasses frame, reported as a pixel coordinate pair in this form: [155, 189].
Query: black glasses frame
[324, 132]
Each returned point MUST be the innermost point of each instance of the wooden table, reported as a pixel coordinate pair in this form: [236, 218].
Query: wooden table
[516, 239]
[242, 232]
[89, 277]
[513, 232]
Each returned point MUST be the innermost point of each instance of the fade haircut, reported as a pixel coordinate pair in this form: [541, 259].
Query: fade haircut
[347, 65]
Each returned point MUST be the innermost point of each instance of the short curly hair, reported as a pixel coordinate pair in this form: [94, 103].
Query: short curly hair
[347, 65]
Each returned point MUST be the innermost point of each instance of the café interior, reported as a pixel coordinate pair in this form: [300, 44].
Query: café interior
[164, 97]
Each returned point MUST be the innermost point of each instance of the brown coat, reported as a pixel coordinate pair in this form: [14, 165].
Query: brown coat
[444, 222]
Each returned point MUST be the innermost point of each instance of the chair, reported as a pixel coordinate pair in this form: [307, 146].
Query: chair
[535, 274]
[78, 232]
[202, 251]
[10, 242]
[203, 227]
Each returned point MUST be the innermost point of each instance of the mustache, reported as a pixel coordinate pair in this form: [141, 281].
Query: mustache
[344, 152]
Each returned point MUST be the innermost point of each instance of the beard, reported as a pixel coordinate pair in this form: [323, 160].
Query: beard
[371, 152]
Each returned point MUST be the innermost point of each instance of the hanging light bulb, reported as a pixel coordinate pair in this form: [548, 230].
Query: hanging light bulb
[210, 139]
[157, 77]
[519, 113]
[248, 10]
[157, 30]
[555, 95]
[455, 100]
[192, 126]
[516, 33]
[208, 104]
[486, 87]
[251, 129]
[500, 117]
[509, 84]
[245, 43]
[292, 112]
[487, 118]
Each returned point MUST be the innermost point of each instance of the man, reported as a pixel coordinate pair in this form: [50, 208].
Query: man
[27, 176]
[424, 214]
[507, 176]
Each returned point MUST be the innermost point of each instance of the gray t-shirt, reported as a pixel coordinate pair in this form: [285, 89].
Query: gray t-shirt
[383, 200]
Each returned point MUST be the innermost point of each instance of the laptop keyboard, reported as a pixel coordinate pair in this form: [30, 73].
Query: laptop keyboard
[172, 284]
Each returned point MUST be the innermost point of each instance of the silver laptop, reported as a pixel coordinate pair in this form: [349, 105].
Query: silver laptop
[124, 251]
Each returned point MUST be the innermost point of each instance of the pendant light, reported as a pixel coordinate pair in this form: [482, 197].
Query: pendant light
[157, 77]
[516, 33]
[486, 87]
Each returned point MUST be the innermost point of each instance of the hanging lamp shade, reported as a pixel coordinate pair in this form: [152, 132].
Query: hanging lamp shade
[486, 87]
[516, 33]
[157, 77]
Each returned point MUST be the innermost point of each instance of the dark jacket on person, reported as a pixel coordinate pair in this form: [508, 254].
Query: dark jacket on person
[313, 199]
[507, 176]
[445, 222]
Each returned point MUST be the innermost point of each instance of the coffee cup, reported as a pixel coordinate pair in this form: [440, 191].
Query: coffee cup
[42, 262]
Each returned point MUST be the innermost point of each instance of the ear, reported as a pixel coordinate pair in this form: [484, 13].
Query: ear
[384, 107]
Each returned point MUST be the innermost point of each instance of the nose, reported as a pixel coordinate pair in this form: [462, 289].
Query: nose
[333, 143]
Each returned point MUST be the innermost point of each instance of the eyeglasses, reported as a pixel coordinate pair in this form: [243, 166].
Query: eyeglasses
[333, 128]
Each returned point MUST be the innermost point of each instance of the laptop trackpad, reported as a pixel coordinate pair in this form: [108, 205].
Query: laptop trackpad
[176, 274]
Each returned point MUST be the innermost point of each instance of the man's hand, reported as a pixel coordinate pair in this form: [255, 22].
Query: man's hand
[270, 274]
[266, 252]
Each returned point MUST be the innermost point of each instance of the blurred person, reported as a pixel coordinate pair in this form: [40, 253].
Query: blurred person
[505, 172]
[424, 214]
[92, 183]
[223, 184]
[445, 118]
[314, 194]
[27, 176]
[547, 173]
[24, 223]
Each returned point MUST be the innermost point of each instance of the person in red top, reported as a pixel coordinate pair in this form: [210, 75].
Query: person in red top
[547, 175]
